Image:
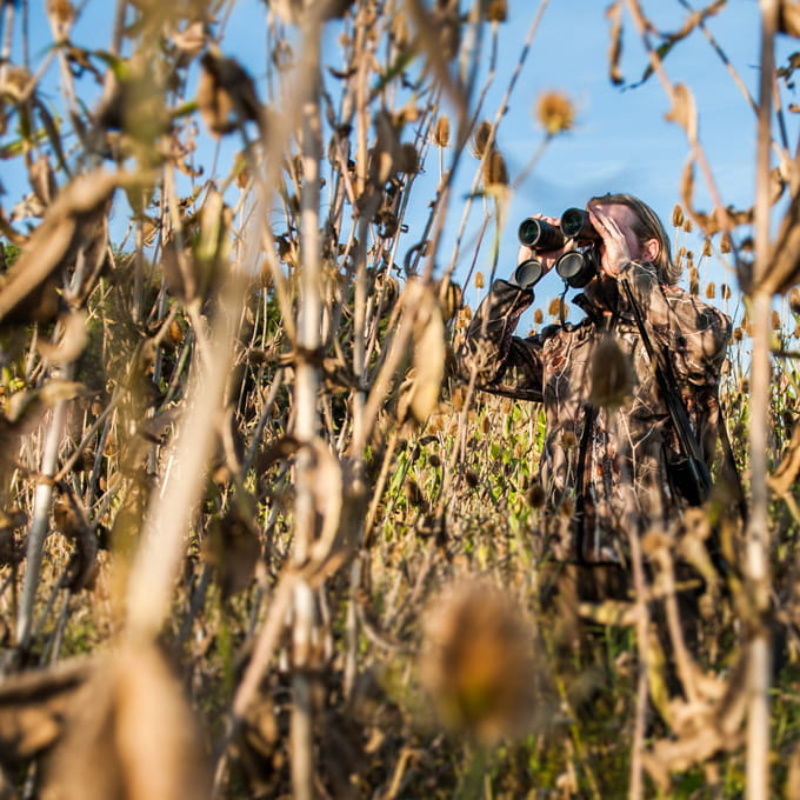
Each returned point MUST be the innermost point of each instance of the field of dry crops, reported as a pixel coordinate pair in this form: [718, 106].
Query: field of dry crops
[257, 537]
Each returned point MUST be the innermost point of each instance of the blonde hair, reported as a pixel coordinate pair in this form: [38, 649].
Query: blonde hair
[647, 225]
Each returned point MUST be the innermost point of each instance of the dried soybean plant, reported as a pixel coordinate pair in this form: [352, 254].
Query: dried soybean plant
[203, 408]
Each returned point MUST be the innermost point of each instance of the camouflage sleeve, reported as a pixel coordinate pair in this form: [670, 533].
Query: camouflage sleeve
[695, 335]
[503, 363]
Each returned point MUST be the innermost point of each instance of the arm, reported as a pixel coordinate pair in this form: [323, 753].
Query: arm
[501, 362]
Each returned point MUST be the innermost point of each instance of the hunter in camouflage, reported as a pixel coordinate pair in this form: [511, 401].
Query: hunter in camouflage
[608, 467]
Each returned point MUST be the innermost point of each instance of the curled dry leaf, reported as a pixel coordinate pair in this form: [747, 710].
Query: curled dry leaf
[72, 341]
[34, 706]
[53, 241]
[24, 407]
[783, 271]
[232, 548]
[786, 475]
[226, 95]
[132, 735]
[324, 477]
[614, 14]
[684, 111]
[72, 521]
[191, 40]
[789, 17]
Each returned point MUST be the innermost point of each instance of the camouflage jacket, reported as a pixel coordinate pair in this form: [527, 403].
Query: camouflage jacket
[607, 465]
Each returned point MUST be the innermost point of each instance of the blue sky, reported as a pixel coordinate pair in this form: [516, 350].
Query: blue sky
[620, 142]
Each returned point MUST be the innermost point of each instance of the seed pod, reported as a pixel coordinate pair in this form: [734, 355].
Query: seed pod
[441, 133]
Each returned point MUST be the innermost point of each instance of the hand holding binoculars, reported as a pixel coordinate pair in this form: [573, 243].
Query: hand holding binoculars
[577, 267]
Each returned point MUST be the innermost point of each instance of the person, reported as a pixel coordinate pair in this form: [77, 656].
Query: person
[611, 450]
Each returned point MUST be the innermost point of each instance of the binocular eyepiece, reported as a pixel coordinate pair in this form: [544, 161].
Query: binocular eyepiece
[578, 267]
[528, 273]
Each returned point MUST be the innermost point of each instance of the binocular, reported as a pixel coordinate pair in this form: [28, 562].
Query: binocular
[576, 267]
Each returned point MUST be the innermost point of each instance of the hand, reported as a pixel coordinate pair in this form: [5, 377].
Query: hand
[616, 250]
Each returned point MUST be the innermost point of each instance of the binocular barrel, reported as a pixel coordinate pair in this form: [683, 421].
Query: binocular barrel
[540, 235]
[575, 224]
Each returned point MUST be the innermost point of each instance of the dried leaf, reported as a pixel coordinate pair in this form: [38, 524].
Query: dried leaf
[134, 735]
[72, 521]
[614, 14]
[789, 17]
[684, 111]
[233, 548]
[323, 475]
[25, 406]
[52, 242]
[34, 706]
[72, 341]
[191, 40]
[429, 352]
[786, 475]
[226, 95]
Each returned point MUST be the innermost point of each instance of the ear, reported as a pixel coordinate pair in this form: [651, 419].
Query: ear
[650, 250]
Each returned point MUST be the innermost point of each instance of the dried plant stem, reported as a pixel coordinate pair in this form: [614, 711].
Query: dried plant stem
[167, 524]
[306, 429]
[642, 642]
[40, 522]
[758, 539]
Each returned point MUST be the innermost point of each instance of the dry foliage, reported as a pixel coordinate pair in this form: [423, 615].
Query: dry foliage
[239, 465]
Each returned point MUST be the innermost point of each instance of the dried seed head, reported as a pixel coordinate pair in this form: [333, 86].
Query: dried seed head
[555, 113]
[687, 225]
[707, 251]
[441, 133]
[677, 216]
[725, 243]
[725, 291]
[495, 172]
[557, 308]
[711, 291]
[479, 280]
[538, 316]
[477, 662]
[612, 375]
[536, 495]
[480, 139]
[408, 159]
[794, 300]
[497, 10]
